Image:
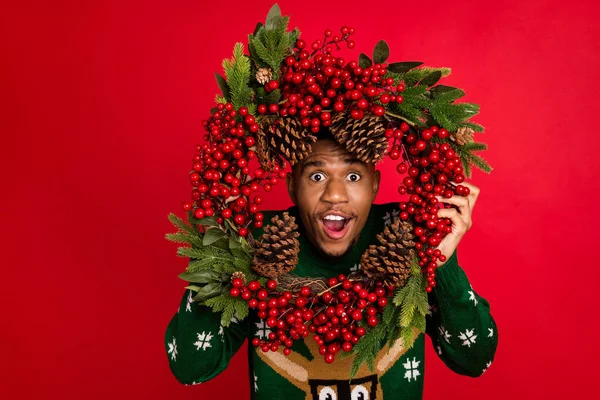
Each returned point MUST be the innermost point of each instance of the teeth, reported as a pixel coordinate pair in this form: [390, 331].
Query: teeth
[334, 218]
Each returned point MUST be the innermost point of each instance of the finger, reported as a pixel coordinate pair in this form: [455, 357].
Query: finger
[474, 192]
[464, 207]
[459, 227]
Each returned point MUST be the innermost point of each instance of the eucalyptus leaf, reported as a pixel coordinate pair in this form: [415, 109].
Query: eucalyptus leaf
[193, 288]
[212, 235]
[200, 276]
[364, 61]
[207, 291]
[442, 89]
[431, 79]
[258, 26]
[206, 221]
[234, 242]
[402, 67]
[273, 17]
[381, 52]
[223, 85]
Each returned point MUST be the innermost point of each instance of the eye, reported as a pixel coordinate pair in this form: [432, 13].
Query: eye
[327, 393]
[360, 393]
[354, 177]
[317, 177]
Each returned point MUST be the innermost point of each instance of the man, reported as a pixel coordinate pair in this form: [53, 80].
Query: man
[333, 194]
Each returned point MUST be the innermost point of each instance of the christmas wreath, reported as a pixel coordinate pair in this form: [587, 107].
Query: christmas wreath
[273, 103]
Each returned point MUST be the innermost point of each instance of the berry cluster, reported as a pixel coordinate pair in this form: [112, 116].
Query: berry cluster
[315, 85]
[431, 170]
[332, 316]
[221, 175]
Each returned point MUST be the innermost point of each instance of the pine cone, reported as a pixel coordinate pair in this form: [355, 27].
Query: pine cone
[285, 138]
[391, 260]
[263, 75]
[365, 138]
[239, 274]
[277, 251]
[463, 136]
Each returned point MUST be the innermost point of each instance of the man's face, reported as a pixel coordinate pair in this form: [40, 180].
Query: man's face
[334, 192]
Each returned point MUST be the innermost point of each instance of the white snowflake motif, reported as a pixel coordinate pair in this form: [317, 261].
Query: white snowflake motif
[472, 297]
[173, 349]
[491, 332]
[487, 365]
[445, 334]
[221, 333]
[467, 337]
[387, 218]
[188, 305]
[193, 383]
[255, 382]
[412, 369]
[439, 349]
[354, 268]
[262, 331]
[433, 308]
[203, 341]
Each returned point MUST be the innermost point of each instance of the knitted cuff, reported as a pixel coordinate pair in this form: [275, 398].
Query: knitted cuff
[451, 280]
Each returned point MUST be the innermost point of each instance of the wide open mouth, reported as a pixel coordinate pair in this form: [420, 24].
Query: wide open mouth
[335, 225]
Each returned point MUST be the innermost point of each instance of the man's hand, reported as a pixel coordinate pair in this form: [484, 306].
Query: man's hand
[461, 219]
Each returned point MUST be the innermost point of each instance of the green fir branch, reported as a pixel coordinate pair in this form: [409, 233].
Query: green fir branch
[228, 306]
[181, 224]
[185, 238]
[476, 127]
[367, 348]
[237, 72]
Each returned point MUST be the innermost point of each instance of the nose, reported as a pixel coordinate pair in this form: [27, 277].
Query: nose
[335, 192]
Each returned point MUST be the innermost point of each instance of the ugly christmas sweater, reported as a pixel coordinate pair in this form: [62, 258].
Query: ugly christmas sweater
[461, 328]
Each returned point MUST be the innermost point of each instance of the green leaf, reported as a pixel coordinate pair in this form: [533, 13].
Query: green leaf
[200, 276]
[441, 89]
[431, 79]
[273, 17]
[212, 235]
[193, 288]
[206, 221]
[207, 291]
[402, 67]
[222, 85]
[381, 52]
[364, 61]
[257, 28]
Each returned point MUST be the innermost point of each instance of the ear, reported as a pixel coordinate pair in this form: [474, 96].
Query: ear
[289, 180]
[376, 180]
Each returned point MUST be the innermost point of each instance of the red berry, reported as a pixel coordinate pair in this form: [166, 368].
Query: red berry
[271, 284]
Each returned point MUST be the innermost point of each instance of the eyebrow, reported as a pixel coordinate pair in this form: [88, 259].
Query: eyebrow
[316, 163]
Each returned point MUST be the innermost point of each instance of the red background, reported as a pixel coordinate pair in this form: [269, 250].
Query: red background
[101, 108]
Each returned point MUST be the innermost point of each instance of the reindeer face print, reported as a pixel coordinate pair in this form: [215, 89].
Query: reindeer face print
[359, 389]
[321, 381]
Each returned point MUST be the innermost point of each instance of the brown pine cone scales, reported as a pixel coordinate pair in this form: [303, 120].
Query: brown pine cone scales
[263, 75]
[391, 260]
[463, 136]
[277, 251]
[365, 138]
[285, 138]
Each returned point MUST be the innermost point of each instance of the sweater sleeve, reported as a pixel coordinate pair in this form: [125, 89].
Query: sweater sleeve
[461, 327]
[198, 346]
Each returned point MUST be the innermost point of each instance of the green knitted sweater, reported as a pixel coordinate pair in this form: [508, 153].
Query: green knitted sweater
[460, 326]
